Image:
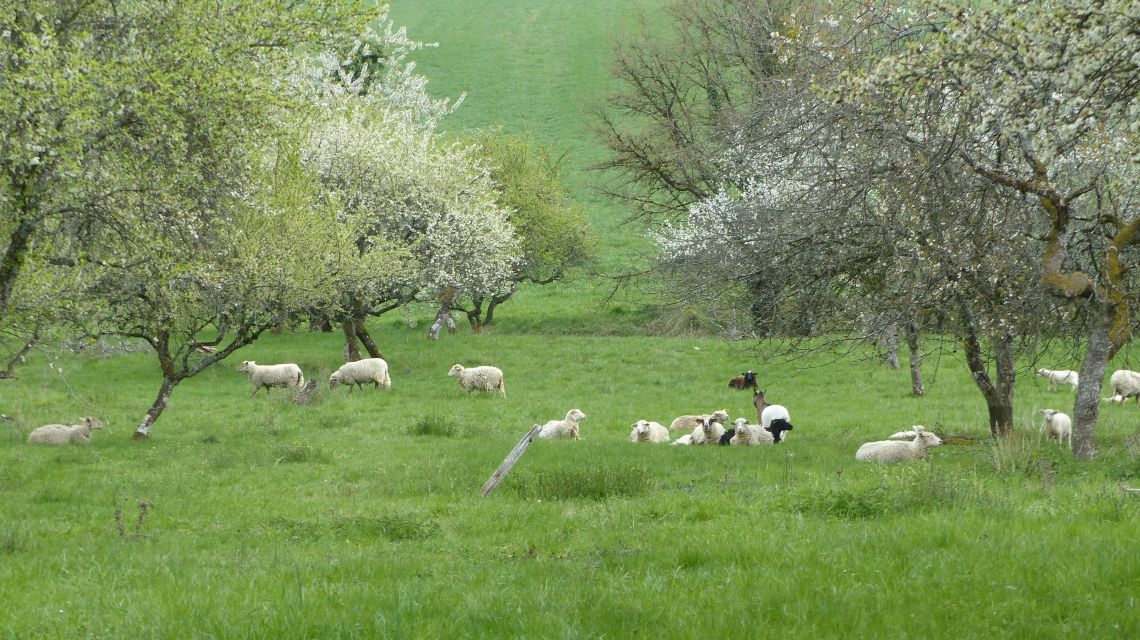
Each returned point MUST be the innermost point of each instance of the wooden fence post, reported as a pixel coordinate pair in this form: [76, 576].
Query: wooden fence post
[510, 461]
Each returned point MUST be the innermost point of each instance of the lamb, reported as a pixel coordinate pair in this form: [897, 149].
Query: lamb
[746, 380]
[750, 434]
[1064, 376]
[485, 378]
[272, 375]
[906, 435]
[647, 431]
[565, 428]
[1057, 426]
[688, 423]
[684, 440]
[896, 451]
[374, 370]
[766, 414]
[57, 434]
[709, 431]
[1125, 384]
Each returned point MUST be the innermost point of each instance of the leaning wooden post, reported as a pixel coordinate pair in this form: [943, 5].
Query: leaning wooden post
[510, 461]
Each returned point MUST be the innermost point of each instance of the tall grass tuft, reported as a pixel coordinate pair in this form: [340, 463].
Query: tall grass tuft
[436, 425]
[594, 484]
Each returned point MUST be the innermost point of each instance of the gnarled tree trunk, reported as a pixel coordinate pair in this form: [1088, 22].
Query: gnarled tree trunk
[913, 342]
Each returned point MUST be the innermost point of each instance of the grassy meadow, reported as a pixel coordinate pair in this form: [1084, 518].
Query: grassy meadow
[359, 516]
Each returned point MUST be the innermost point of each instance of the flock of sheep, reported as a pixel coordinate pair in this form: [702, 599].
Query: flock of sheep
[773, 420]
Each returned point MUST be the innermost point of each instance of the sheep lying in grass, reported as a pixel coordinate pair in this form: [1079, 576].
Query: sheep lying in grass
[565, 428]
[63, 434]
[1064, 376]
[1057, 426]
[647, 431]
[749, 434]
[708, 431]
[684, 440]
[485, 378]
[272, 375]
[374, 370]
[746, 380]
[688, 423]
[906, 435]
[1125, 384]
[898, 451]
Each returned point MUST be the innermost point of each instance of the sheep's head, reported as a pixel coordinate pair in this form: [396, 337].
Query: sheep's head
[455, 370]
[1049, 413]
[740, 422]
[246, 365]
[749, 377]
[721, 416]
[575, 415]
[707, 423]
[641, 427]
[927, 438]
[334, 380]
[92, 422]
[758, 399]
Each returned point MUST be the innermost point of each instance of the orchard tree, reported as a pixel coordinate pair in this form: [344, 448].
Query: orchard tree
[553, 231]
[1044, 102]
[95, 93]
[380, 159]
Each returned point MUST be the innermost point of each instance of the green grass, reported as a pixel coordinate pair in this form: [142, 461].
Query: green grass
[360, 515]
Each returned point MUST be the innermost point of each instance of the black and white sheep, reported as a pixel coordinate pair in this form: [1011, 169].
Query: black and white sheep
[746, 380]
[1057, 426]
[768, 414]
[564, 428]
[356, 373]
[272, 375]
[484, 378]
[898, 451]
[58, 434]
[648, 431]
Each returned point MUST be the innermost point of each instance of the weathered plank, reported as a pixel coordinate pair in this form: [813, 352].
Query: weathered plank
[509, 461]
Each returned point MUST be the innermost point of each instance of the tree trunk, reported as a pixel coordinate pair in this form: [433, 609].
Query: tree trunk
[495, 302]
[142, 432]
[999, 397]
[892, 340]
[365, 339]
[913, 342]
[10, 371]
[475, 315]
[351, 348]
[1086, 407]
[446, 299]
[13, 260]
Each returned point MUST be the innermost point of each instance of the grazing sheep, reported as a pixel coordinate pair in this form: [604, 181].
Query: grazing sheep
[485, 378]
[1125, 384]
[746, 380]
[750, 434]
[708, 432]
[767, 413]
[897, 451]
[63, 434]
[272, 375]
[647, 431]
[374, 370]
[1055, 378]
[565, 428]
[688, 423]
[1057, 426]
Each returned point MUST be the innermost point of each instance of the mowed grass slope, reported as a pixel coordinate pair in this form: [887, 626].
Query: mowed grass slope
[538, 68]
[360, 515]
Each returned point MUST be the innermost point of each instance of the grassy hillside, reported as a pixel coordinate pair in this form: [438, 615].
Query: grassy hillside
[538, 67]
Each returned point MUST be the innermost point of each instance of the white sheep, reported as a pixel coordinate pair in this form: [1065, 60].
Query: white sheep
[648, 431]
[906, 435]
[565, 428]
[688, 423]
[1125, 384]
[1064, 376]
[374, 370]
[1057, 426]
[750, 434]
[485, 378]
[64, 434]
[897, 451]
[272, 375]
[684, 440]
[708, 431]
